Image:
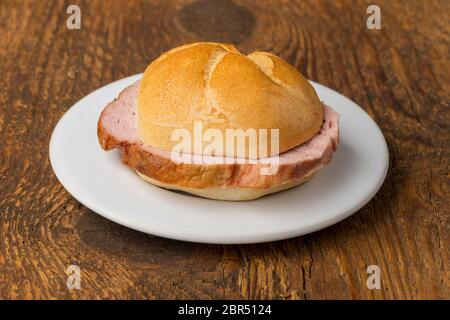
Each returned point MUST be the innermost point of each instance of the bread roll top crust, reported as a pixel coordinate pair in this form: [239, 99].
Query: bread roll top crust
[217, 85]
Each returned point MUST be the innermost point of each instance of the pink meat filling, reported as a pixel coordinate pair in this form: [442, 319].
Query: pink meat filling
[120, 118]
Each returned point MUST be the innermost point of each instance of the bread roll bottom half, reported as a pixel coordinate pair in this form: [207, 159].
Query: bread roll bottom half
[228, 193]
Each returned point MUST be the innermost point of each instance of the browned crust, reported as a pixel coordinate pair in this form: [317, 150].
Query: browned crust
[108, 141]
[163, 169]
[215, 175]
[226, 90]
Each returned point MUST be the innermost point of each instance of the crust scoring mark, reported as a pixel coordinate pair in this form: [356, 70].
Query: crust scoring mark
[214, 112]
[265, 64]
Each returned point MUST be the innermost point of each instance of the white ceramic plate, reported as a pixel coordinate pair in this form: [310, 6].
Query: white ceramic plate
[101, 182]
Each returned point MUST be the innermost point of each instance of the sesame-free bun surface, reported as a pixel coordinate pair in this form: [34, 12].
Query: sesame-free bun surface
[216, 84]
[228, 193]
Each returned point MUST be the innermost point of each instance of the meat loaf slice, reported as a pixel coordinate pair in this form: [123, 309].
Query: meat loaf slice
[117, 129]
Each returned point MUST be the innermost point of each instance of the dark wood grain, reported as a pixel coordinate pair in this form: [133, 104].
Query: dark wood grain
[399, 75]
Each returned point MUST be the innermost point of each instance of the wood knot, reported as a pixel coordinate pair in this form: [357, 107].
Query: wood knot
[217, 20]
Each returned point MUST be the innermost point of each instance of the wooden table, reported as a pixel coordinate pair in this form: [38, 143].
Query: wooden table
[399, 74]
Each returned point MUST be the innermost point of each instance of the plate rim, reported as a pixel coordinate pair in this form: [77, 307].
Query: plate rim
[196, 238]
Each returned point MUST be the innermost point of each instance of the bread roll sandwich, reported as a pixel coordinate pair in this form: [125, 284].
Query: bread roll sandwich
[208, 120]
